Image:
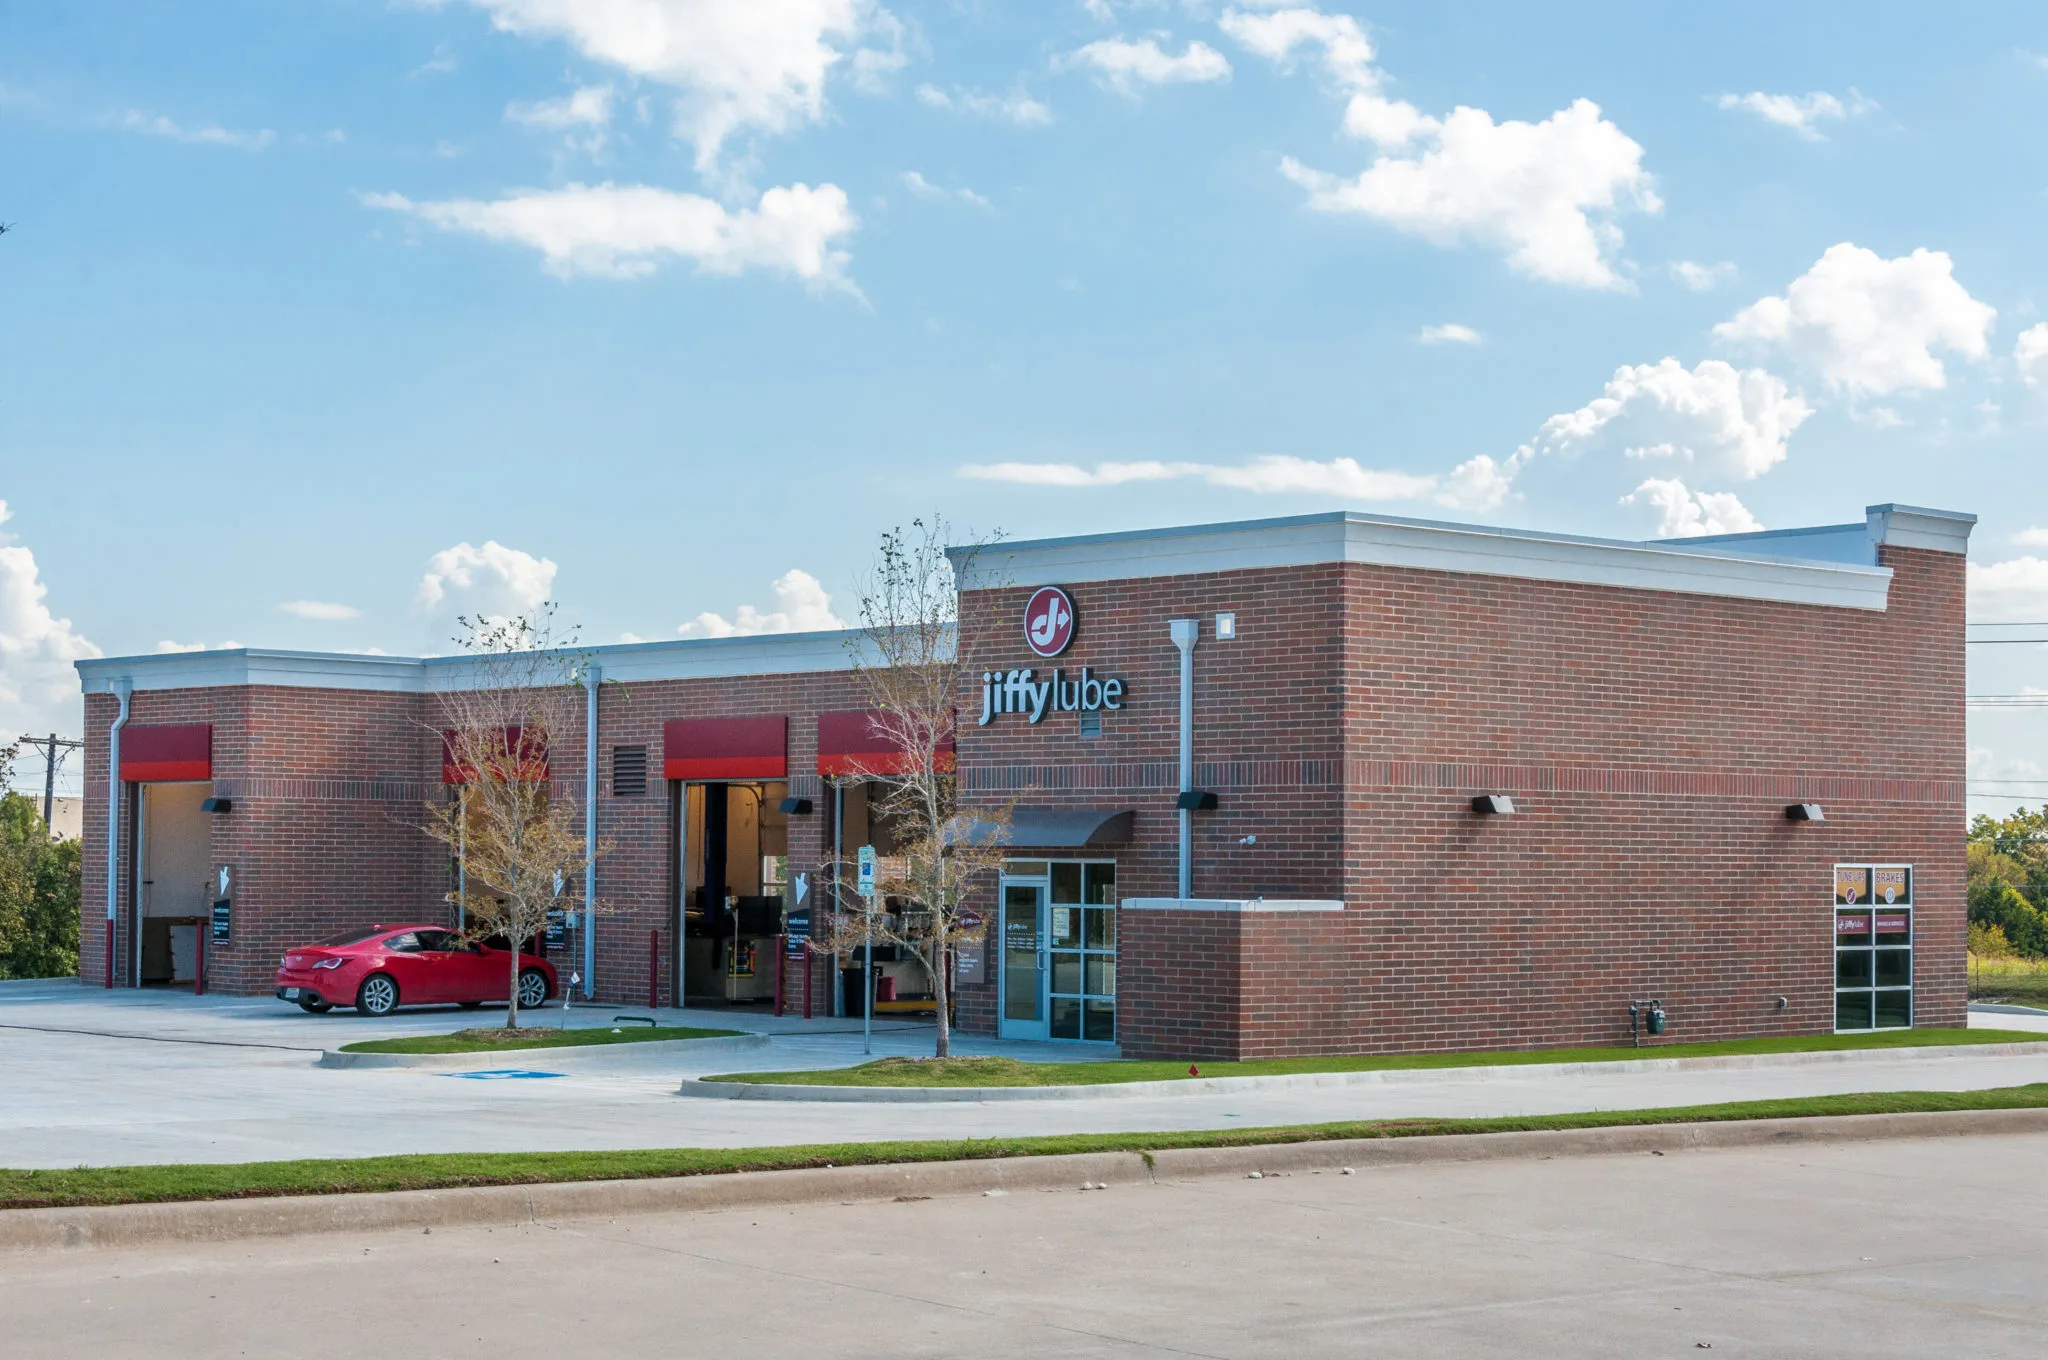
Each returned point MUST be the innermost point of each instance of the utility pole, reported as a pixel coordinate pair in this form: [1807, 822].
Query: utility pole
[51, 744]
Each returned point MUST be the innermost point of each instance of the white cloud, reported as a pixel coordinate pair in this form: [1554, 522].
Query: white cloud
[1728, 421]
[1532, 190]
[321, 611]
[1124, 65]
[625, 231]
[442, 63]
[1450, 333]
[584, 115]
[739, 64]
[210, 134]
[1267, 474]
[1702, 278]
[167, 646]
[1869, 326]
[1689, 514]
[802, 606]
[924, 188]
[491, 582]
[1799, 112]
[38, 687]
[2014, 591]
[2030, 355]
[2033, 536]
[1347, 61]
[1015, 107]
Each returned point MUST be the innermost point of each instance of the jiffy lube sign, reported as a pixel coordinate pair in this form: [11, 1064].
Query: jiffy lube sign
[1049, 619]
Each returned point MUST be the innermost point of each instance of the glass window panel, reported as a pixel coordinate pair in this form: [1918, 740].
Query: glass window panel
[1893, 886]
[1852, 1010]
[1101, 928]
[1024, 868]
[1895, 1010]
[1100, 1021]
[1852, 885]
[1066, 1017]
[1852, 968]
[1101, 884]
[1066, 882]
[1066, 927]
[1852, 927]
[1020, 953]
[1894, 967]
[1892, 927]
[1066, 973]
[1101, 975]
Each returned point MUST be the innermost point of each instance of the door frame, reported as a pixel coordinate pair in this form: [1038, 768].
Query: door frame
[1007, 1028]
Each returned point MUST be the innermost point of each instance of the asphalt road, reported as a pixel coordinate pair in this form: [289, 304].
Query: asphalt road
[110, 1079]
[1908, 1248]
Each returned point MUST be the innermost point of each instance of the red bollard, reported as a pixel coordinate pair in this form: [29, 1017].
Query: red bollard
[653, 969]
[778, 975]
[199, 962]
[110, 954]
[807, 984]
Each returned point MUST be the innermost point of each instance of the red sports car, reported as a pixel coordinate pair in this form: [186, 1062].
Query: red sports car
[380, 968]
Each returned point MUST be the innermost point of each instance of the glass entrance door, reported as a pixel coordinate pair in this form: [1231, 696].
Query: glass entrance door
[1024, 958]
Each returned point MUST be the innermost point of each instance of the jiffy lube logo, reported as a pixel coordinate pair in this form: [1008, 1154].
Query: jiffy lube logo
[1049, 621]
[1048, 628]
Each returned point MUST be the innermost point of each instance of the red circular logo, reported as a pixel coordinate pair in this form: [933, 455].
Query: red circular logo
[1049, 621]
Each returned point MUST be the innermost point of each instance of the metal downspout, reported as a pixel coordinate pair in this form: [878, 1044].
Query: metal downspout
[593, 677]
[1187, 632]
[121, 688]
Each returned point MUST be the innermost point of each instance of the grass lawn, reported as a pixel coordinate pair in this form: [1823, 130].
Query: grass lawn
[489, 1040]
[250, 1180]
[1010, 1072]
[2016, 982]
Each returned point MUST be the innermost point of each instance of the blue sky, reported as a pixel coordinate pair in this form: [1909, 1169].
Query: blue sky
[327, 320]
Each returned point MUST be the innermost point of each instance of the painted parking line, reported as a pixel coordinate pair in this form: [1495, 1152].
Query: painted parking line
[500, 1074]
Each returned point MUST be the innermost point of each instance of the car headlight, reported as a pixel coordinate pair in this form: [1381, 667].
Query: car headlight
[330, 963]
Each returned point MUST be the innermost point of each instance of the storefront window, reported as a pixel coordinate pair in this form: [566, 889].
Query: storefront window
[1075, 916]
[1873, 946]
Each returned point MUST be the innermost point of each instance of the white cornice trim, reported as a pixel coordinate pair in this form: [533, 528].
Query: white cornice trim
[1310, 540]
[1913, 526]
[682, 659]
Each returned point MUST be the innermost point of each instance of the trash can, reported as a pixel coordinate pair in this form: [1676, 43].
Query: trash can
[855, 994]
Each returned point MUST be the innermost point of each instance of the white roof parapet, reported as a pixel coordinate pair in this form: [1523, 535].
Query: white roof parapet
[681, 659]
[1387, 540]
[1913, 526]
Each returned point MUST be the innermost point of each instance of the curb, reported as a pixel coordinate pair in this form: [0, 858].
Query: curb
[1213, 1086]
[595, 1055]
[142, 1225]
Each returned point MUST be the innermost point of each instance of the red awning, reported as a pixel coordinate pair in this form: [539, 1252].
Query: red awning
[725, 748]
[515, 759]
[851, 744]
[151, 755]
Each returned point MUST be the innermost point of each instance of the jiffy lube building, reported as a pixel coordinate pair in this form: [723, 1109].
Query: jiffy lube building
[1334, 783]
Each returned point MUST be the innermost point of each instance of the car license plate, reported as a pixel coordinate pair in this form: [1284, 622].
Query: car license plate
[291, 994]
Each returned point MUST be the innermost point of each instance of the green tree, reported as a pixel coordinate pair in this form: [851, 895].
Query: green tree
[39, 892]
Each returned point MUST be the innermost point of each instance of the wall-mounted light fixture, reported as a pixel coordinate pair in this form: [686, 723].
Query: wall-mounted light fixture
[795, 807]
[1226, 627]
[217, 805]
[1804, 812]
[1196, 800]
[1489, 804]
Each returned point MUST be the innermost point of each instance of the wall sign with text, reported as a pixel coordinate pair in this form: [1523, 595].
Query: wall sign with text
[1049, 623]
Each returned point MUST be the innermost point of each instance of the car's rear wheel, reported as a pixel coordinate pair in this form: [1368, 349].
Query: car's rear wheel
[533, 989]
[316, 1007]
[378, 995]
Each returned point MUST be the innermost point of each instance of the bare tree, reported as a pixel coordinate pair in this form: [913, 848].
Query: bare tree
[514, 830]
[906, 657]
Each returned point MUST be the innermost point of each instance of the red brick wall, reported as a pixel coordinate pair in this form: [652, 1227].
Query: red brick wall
[1650, 739]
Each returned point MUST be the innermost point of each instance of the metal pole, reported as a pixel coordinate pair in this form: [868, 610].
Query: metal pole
[867, 985]
[49, 783]
[593, 677]
[838, 821]
[1186, 632]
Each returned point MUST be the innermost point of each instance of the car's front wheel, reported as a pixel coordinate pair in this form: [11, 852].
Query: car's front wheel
[533, 989]
[315, 1007]
[378, 995]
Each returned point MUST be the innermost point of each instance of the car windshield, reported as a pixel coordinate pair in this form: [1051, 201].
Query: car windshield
[348, 937]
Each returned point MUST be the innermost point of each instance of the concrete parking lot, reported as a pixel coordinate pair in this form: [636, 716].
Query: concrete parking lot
[1909, 1248]
[113, 1078]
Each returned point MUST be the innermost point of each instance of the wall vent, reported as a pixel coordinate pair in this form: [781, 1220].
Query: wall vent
[629, 771]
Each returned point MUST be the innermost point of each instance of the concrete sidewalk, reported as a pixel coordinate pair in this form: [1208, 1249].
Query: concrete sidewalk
[237, 1085]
